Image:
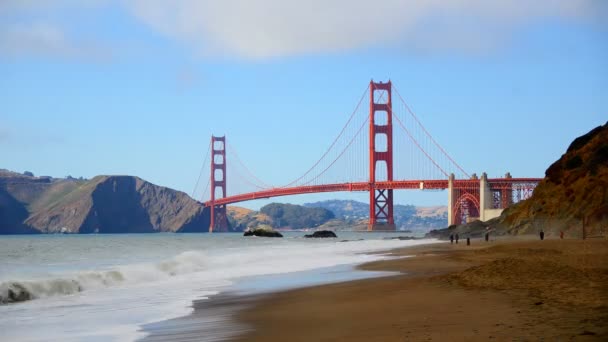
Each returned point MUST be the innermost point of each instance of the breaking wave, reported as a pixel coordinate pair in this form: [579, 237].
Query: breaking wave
[20, 291]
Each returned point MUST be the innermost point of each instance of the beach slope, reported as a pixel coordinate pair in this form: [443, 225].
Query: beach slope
[502, 290]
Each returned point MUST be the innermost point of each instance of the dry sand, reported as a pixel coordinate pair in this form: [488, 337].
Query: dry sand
[552, 290]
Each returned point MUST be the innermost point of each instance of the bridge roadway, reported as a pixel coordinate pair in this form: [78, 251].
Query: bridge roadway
[365, 186]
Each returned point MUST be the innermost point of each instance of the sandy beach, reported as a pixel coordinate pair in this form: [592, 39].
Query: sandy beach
[523, 290]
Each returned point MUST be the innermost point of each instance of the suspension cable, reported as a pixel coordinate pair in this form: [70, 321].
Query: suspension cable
[428, 134]
[243, 178]
[334, 142]
[200, 173]
[418, 145]
[345, 148]
[206, 187]
[263, 184]
[339, 155]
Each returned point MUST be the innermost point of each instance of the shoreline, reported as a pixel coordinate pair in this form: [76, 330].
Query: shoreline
[501, 290]
[214, 318]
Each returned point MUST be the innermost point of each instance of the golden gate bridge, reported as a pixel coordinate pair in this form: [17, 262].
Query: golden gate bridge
[373, 160]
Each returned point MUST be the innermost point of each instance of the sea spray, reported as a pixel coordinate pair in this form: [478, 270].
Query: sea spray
[20, 291]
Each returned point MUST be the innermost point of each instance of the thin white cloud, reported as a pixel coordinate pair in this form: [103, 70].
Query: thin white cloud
[48, 40]
[260, 29]
[33, 28]
[274, 28]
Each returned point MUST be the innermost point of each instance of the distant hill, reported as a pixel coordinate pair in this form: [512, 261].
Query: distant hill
[279, 215]
[333, 214]
[296, 216]
[104, 204]
[242, 218]
[574, 192]
[406, 216]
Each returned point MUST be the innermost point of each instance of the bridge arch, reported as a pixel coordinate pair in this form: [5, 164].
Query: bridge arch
[467, 206]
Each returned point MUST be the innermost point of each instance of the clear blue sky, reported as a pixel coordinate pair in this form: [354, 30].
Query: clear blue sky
[138, 87]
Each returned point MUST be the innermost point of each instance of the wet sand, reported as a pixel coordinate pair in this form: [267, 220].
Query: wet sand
[213, 318]
[552, 290]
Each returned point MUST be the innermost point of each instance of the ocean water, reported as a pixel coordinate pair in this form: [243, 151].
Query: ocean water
[106, 287]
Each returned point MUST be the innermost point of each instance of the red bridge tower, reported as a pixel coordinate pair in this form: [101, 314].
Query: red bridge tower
[380, 130]
[218, 220]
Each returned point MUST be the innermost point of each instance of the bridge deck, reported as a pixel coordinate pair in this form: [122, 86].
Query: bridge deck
[364, 186]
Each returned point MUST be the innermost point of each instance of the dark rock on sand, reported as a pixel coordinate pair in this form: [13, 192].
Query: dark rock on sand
[401, 238]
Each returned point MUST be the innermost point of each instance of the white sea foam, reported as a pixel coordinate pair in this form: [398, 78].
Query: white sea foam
[19, 290]
[130, 285]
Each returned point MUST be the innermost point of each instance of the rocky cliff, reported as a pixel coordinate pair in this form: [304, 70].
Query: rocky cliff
[573, 193]
[573, 196]
[104, 204]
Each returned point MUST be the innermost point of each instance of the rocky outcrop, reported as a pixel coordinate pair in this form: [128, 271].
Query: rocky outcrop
[105, 204]
[322, 234]
[475, 229]
[263, 232]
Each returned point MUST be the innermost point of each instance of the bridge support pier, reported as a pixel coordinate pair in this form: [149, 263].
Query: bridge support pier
[485, 197]
[380, 126]
[451, 200]
[218, 218]
[493, 198]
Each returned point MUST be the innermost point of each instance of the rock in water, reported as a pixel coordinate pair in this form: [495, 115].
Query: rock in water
[322, 234]
[14, 292]
[263, 232]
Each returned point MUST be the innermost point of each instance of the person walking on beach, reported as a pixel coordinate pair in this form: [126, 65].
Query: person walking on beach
[542, 234]
[451, 239]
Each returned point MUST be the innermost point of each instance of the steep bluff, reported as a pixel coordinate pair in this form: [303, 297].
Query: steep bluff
[572, 198]
[574, 192]
[104, 204]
